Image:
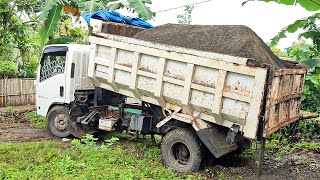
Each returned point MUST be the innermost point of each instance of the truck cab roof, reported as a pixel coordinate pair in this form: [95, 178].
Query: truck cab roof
[65, 47]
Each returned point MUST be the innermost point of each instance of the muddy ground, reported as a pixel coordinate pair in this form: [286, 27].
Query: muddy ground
[298, 165]
[15, 128]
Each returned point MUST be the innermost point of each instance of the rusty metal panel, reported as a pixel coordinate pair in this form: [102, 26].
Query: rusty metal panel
[284, 99]
[115, 28]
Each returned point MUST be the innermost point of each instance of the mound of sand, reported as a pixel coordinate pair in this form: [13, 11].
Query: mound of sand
[233, 40]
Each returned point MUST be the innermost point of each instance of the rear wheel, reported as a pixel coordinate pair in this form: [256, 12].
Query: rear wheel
[58, 121]
[181, 150]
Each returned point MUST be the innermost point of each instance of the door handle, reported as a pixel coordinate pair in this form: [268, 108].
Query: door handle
[72, 70]
[61, 91]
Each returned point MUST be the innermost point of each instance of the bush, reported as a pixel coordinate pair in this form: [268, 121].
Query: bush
[8, 67]
[30, 67]
[35, 119]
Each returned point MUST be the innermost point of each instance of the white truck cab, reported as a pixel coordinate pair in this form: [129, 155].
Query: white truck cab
[62, 71]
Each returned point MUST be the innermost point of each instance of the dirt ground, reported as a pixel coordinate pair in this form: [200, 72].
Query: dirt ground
[22, 132]
[15, 128]
[296, 166]
[299, 165]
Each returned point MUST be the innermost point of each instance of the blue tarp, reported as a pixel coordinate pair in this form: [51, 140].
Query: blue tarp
[116, 17]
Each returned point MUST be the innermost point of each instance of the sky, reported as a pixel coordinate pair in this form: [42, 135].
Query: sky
[266, 19]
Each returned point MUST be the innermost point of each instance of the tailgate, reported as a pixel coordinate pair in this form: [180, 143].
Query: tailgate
[284, 99]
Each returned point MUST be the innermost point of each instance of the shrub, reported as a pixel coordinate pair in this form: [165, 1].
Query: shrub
[30, 67]
[8, 67]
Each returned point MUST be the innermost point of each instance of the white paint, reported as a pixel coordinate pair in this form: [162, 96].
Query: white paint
[48, 91]
[176, 80]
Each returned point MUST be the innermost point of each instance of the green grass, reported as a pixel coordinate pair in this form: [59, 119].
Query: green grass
[35, 119]
[58, 160]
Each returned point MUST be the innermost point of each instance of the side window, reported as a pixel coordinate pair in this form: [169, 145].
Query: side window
[52, 64]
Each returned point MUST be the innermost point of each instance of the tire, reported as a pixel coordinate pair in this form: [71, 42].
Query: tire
[58, 121]
[181, 150]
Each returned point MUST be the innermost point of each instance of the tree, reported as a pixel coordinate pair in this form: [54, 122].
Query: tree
[51, 11]
[185, 17]
[13, 30]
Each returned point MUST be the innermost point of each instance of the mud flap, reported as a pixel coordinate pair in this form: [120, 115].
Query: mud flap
[215, 141]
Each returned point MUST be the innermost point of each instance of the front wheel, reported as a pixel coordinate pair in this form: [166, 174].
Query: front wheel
[58, 121]
[181, 150]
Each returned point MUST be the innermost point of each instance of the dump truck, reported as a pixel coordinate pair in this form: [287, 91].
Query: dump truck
[196, 100]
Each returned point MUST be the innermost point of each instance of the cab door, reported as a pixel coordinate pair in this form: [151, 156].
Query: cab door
[51, 78]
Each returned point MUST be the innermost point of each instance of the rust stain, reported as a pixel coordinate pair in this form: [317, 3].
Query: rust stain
[238, 89]
[204, 83]
[174, 76]
[284, 99]
[124, 64]
[147, 69]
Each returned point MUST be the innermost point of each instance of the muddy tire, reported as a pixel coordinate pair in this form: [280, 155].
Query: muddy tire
[181, 150]
[58, 121]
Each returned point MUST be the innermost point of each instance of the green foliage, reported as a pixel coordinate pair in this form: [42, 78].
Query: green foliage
[10, 109]
[51, 10]
[50, 23]
[35, 119]
[307, 146]
[279, 52]
[92, 5]
[309, 129]
[278, 148]
[294, 137]
[47, 160]
[309, 55]
[14, 33]
[186, 17]
[30, 66]
[311, 96]
[302, 51]
[89, 142]
[308, 24]
[248, 155]
[8, 67]
[67, 33]
[60, 40]
[18, 37]
[221, 175]
[140, 7]
[46, 7]
[311, 90]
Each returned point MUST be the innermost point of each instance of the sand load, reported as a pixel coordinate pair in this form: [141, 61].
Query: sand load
[235, 40]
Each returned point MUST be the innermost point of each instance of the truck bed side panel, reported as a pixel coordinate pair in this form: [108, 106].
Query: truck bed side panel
[213, 89]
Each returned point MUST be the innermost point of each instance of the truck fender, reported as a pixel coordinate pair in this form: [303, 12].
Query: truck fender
[211, 136]
[55, 104]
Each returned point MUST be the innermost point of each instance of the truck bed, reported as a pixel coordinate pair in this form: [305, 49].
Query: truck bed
[217, 88]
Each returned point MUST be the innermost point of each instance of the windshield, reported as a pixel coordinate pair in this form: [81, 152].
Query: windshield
[52, 63]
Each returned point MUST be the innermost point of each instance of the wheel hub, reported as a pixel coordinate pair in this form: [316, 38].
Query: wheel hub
[181, 153]
[61, 122]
